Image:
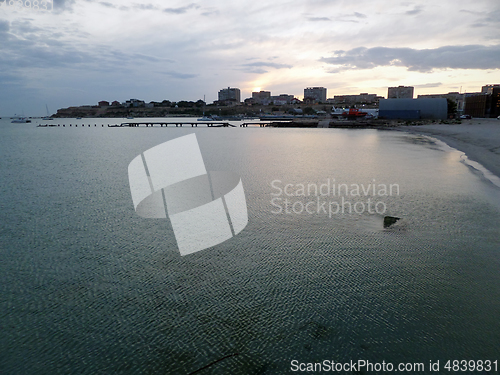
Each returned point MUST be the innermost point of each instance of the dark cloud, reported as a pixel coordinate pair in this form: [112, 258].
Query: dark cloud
[425, 60]
[181, 10]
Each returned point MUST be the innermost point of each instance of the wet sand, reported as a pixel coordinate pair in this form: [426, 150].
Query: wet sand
[479, 139]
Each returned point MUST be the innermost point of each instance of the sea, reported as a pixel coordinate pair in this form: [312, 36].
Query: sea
[87, 286]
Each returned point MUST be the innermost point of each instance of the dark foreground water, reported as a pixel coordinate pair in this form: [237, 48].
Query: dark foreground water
[89, 287]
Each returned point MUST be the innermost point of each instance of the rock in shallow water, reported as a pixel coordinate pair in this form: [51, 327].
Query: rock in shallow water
[390, 220]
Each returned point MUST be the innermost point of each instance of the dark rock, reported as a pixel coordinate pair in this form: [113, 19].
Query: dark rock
[390, 220]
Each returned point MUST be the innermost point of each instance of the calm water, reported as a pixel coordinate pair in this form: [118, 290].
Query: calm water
[89, 287]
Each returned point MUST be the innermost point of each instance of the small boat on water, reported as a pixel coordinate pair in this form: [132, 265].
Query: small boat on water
[206, 118]
[20, 120]
[210, 118]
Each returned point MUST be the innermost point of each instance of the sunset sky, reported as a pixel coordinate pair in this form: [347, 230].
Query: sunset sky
[85, 51]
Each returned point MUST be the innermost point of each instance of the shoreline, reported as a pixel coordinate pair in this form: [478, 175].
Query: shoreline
[479, 139]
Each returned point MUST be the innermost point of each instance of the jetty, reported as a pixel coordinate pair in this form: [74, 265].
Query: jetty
[210, 124]
[177, 124]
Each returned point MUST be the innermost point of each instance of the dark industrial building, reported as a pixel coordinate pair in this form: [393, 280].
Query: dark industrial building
[414, 109]
[484, 104]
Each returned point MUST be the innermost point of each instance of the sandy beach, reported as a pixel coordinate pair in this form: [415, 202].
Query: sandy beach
[479, 139]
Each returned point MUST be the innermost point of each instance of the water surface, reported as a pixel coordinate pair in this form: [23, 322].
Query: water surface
[87, 286]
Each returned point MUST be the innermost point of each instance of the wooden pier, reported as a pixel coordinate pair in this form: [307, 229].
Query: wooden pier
[210, 124]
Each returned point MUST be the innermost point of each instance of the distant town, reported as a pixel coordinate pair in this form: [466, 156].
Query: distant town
[400, 104]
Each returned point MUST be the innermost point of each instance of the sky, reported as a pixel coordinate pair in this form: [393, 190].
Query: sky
[79, 52]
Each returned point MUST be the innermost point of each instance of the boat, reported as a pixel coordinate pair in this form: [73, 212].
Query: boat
[354, 113]
[46, 118]
[20, 120]
[206, 118]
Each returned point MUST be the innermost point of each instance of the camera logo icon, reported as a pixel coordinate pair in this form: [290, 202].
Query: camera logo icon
[204, 208]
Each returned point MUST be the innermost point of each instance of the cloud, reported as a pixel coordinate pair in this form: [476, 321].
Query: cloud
[267, 64]
[26, 48]
[491, 17]
[4, 26]
[7, 78]
[316, 19]
[181, 10]
[145, 6]
[26, 28]
[179, 75]
[425, 60]
[340, 17]
[144, 57]
[87, 43]
[257, 67]
[256, 71]
[106, 4]
[60, 5]
[483, 19]
[359, 15]
[348, 17]
[210, 12]
[470, 11]
[428, 85]
[417, 10]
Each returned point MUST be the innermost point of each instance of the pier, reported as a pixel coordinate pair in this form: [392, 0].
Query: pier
[210, 124]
